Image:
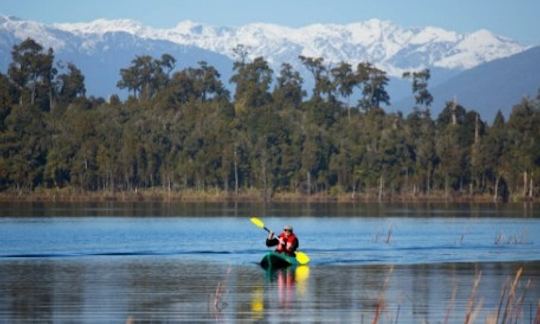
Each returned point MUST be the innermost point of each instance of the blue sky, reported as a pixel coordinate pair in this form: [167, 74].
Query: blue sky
[515, 19]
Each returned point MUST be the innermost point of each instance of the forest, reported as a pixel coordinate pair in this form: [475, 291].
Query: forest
[183, 130]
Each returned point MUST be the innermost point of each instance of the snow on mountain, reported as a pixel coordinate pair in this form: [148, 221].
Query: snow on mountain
[102, 26]
[383, 43]
[102, 47]
[22, 29]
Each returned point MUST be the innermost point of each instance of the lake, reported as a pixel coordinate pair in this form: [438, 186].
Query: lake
[393, 263]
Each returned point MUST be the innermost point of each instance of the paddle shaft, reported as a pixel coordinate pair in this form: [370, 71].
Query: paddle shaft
[269, 231]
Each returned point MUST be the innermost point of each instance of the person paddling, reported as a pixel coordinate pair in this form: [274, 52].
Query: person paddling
[286, 242]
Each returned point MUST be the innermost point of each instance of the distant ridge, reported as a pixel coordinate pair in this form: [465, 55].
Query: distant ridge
[102, 47]
[388, 45]
[493, 86]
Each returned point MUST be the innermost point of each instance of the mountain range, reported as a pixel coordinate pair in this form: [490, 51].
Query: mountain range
[101, 47]
[492, 86]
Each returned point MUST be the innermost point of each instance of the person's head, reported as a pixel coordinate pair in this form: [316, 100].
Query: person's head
[287, 229]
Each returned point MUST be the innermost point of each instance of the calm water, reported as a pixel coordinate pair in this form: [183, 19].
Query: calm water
[154, 262]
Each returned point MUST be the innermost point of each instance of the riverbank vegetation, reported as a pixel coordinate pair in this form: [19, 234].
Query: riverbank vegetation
[182, 133]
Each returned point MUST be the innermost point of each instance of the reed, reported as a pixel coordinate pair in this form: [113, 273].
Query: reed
[473, 305]
[385, 236]
[510, 305]
[450, 306]
[509, 308]
[73, 194]
[381, 301]
[537, 317]
[520, 237]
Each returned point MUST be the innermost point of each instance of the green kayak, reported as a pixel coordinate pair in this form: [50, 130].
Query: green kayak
[275, 260]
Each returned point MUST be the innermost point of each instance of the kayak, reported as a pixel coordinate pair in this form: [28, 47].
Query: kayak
[275, 260]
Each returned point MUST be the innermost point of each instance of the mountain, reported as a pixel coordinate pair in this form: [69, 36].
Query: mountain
[108, 45]
[492, 86]
[391, 47]
[101, 56]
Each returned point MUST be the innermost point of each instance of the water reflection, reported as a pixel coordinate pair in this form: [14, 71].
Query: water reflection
[290, 282]
[153, 209]
[160, 289]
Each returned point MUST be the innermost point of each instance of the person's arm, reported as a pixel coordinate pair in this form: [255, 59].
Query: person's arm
[271, 240]
[292, 246]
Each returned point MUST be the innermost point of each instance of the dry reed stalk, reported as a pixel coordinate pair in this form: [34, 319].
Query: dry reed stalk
[451, 304]
[381, 301]
[397, 315]
[472, 306]
[501, 299]
[491, 319]
[218, 304]
[537, 317]
[510, 299]
[378, 311]
[389, 236]
[516, 309]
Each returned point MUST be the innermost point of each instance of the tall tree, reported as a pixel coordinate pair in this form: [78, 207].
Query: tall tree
[288, 89]
[146, 75]
[208, 83]
[420, 90]
[323, 84]
[32, 69]
[494, 147]
[252, 81]
[523, 134]
[373, 82]
[345, 81]
[71, 84]
[23, 147]
[452, 146]
[7, 98]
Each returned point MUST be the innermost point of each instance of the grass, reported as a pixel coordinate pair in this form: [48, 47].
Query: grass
[509, 310]
[71, 194]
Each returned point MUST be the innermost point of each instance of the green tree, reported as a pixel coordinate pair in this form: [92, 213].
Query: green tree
[452, 146]
[323, 84]
[345, 81]
[7, 99]
[524, 143]
[373, 82]
[420, 80]
[494, 147]
[31, 70]
[252, 81]
[210, 84]
[71, 84]
[23, 147]
[146, 75]
[288, 89]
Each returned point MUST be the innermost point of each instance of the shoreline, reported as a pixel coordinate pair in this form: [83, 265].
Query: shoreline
[247, 196]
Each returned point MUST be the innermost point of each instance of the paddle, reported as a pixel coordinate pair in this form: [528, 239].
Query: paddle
[301, 257]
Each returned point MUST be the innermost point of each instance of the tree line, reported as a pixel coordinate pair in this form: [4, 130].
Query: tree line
[183, 129]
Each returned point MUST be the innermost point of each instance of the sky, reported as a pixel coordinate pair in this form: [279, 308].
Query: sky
[516, 19]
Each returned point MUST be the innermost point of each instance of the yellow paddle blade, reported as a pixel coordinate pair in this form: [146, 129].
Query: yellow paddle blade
[259, 223]
[302, 258]
[301, 273]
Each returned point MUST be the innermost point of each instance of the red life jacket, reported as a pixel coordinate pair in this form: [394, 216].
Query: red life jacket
[291, 244]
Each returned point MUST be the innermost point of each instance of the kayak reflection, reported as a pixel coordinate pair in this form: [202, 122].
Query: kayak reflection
[284, 287]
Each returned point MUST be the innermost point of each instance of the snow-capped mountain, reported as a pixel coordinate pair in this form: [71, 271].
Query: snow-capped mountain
[102, 47]
[101, 54]
[383, 43]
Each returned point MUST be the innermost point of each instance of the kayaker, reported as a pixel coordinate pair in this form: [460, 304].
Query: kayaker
[286, 242]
